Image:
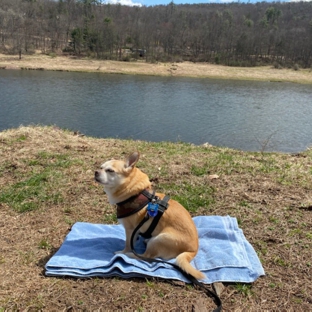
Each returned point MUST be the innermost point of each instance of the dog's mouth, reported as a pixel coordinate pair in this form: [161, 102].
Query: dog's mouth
[97, 177]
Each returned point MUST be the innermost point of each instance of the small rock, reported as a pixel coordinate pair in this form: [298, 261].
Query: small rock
[218, 287]
[213, 176]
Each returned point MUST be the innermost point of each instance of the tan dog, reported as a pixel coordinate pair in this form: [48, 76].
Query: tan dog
[175, 235]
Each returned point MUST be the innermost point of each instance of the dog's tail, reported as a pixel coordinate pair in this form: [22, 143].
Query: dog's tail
[183, 261]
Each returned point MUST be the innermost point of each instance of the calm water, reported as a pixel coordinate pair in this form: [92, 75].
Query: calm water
[241, 115]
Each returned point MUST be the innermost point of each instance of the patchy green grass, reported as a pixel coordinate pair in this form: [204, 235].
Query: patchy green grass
[190, 196]
[31, 193]
[44, 244]
[244, 289]
[47, 185]
[40, 179]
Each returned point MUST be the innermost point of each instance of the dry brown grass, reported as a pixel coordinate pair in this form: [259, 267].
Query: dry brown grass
[185, 69]
[270, 194]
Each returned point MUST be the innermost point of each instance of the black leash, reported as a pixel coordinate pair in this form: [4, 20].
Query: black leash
[190, 277]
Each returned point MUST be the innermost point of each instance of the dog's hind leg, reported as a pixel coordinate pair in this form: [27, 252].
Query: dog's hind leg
[161, 246]
[167, 247]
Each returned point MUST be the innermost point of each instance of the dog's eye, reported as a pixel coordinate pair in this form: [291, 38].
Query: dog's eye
[109, 170]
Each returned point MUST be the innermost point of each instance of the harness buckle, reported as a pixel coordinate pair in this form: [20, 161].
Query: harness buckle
[152, 208]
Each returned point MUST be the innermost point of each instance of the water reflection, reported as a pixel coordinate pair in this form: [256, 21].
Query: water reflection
[245, 115]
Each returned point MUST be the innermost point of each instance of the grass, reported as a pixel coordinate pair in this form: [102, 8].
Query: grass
[244, 289]
[47, 184]
[192, 197]
[44, 244]
[31, 193]
[38, 186]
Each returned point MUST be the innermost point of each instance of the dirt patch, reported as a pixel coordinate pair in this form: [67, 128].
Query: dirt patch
[184, 69]
[46, 185]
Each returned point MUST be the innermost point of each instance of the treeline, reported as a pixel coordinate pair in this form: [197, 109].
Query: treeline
[240, 34]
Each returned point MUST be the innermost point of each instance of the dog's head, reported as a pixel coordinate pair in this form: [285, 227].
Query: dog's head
[121, 179]
[113, 172]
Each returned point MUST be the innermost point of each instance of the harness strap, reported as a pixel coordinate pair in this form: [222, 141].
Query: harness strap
[151, 196]
[132, 205]
[163, 205]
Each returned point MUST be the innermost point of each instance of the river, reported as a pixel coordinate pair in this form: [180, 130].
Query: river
[246, 115]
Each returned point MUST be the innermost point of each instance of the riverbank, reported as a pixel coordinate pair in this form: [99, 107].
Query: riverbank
[185, 69]
[47, 184]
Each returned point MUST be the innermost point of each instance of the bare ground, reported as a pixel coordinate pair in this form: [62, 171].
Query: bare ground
[185, 69]
[46, 185]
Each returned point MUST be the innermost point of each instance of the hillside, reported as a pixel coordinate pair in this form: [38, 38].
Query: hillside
[46, 185]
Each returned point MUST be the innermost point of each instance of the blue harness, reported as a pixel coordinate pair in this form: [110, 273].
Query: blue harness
[155, 209]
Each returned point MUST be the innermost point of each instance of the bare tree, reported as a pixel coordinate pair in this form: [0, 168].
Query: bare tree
[243, 34]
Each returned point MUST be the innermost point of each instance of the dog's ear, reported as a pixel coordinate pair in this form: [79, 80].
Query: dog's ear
[132, 159]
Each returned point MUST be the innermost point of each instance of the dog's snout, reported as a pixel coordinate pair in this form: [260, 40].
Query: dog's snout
[96, 173]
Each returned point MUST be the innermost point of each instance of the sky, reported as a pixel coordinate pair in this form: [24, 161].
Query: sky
[165, 2]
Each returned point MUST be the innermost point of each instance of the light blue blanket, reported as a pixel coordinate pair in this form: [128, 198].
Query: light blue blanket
[224, 254]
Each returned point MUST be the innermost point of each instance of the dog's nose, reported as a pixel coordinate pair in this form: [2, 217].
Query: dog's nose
[96, 173]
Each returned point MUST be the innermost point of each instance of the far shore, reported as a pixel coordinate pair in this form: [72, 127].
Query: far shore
[40, 61]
